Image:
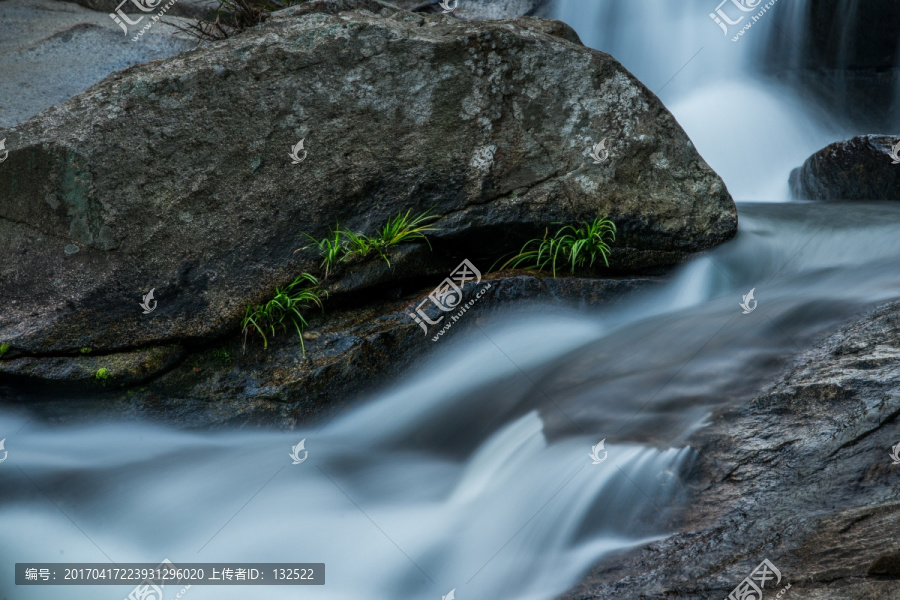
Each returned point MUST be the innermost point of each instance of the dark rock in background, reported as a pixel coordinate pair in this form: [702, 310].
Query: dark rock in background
[849, 34]
[845, 52]
[858, 169]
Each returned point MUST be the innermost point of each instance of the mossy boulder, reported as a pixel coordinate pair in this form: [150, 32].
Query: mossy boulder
[175, 175]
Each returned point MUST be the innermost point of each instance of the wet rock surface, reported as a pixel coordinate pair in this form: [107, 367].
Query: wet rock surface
[349, 352]
[844, 53]
[175, 175]
[801, 476]
[862, 168]
[91, 372]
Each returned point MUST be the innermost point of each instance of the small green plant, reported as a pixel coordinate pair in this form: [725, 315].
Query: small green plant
[356, 246]
[102, 374]
[330, 249]
[401, 229]
[284, 308]
[574, 246]
[343, 245]
[85, 350]
[4, 348]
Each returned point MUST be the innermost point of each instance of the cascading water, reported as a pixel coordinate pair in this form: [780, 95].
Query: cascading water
[473, 473]
[751, 129]
[425, 523]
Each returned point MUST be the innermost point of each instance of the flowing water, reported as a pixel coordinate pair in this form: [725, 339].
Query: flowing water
[473, 472]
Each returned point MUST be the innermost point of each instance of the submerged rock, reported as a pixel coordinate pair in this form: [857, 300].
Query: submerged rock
[801, 476]
[862, 168]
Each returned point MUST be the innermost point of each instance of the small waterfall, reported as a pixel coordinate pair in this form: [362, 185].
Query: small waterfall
[387, 522]
[844, 54]
[755, 108]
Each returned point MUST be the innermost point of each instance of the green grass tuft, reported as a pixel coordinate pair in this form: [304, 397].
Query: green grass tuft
[102, 374]
[285, 308]
[4, 348]
[575, 247]
[401, 229]
[85, 350]
[343, 245]
[330, 249]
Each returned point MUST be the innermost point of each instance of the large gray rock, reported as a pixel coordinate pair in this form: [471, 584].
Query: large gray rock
[844, 52]
[862, 168]
[801, 476]
[175, 175]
